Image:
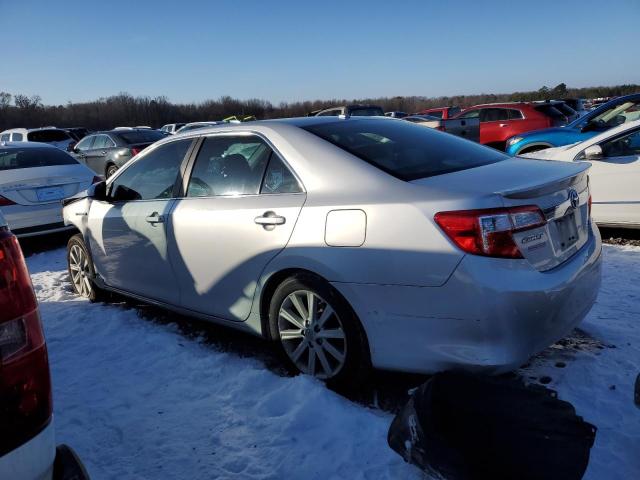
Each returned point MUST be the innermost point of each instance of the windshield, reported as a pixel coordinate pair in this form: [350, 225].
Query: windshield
[366, 112]
[404, 149]
[141, 136]
[15, 158]
[611, 116]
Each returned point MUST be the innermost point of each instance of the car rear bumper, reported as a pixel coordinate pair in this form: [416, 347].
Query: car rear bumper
[33, 460]
[491, 315]
[30, 220]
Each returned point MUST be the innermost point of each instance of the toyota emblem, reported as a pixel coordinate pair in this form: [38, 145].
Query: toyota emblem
[574, 198]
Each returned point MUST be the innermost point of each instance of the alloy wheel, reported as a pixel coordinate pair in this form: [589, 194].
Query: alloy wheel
[312, 334]
[80, 271]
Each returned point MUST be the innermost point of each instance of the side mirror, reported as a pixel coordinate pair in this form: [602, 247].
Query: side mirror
[594, 152]
[98, 191]
[71, 148]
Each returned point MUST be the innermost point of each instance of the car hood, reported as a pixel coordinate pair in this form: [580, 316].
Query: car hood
[556, 153]
[549, 131]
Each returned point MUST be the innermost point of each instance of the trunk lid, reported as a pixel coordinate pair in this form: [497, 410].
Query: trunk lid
[559, 189]
[38, 185]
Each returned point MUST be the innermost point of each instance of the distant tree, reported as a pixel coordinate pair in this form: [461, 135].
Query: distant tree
[560, 90]
[5, 100]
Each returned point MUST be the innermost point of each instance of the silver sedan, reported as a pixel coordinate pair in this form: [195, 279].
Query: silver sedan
[351, 242]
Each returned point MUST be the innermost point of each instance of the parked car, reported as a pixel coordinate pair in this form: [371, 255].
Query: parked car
[467, 128]
[611, 114]
[34, 177]
[578, 104]
[501, 121]
[78, 133]
[349, 241]
[172, 127]
[351, 111]
[57, 137]
[196, 125]
[27, 444]
[105, 152]
[615, 172]
[441, 112]
[396, 114]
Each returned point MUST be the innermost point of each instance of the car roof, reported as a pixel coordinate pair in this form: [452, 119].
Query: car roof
[500, 104]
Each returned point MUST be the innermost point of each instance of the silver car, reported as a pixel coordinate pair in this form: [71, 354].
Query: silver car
[351, 242]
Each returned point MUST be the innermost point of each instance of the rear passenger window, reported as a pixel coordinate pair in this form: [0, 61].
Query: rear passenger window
[99, 142]
[5, 137]
[278, 178]
[48, 136]
[470, 114]
[17, 137]
[515, 114]
[229, 166]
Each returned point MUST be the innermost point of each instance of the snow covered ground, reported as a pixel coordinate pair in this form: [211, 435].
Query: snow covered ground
[139, 399]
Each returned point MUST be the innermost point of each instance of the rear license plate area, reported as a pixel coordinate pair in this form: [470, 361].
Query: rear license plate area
[567, 231]
[49, 194]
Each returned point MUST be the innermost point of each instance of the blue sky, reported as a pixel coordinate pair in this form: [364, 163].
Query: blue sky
[286, 50]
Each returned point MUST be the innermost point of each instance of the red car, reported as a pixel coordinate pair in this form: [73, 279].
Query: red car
[27, 442]
[443, 112]
[501, 121]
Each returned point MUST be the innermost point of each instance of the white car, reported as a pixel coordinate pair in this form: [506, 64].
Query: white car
[351, 242]
[34, 178]
[56, 137]
[615, 172]
[172, 128]
[27, 441]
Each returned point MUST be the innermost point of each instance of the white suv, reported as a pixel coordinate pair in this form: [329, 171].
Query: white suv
[53, 136]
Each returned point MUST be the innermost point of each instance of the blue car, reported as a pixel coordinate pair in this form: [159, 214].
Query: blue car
[608, 115]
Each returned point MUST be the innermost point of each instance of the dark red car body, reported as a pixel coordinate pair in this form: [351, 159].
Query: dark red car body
[501, 121]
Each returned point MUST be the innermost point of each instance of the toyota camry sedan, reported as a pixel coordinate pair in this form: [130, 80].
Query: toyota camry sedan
[351, 242]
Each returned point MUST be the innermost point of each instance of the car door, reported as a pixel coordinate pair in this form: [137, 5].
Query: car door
[95, 157]
[494, 126]
[615, 180]
[80, 150]
[128, 232]
[240, 207]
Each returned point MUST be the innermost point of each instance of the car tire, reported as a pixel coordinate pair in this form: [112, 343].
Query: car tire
[81, 270]
[333, 335]
[111, 169]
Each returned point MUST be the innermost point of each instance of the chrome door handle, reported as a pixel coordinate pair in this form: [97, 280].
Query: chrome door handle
[503, 125]
[154, 218]
[270, 219]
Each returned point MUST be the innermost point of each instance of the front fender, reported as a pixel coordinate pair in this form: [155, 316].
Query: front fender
[76, 214]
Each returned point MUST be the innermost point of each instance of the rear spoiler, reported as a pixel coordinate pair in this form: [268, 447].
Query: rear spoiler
[533, 188]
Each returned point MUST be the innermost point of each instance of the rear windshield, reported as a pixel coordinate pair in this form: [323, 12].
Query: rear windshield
[550, 111]
[141, 136]
[566, 109]
[15, 158]
[46, 136]
[403, 149]
[366, 112]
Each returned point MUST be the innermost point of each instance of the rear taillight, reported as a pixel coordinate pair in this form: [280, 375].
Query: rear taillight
[489, 232]
[135, 151]
[25, 386]
[5, 202]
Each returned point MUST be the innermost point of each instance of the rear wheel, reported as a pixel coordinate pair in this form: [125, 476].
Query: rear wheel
[81, 272]
[319, 333]
[111, 169]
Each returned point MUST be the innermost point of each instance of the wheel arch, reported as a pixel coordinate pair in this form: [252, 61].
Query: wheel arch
[535, 145]
[275, 279]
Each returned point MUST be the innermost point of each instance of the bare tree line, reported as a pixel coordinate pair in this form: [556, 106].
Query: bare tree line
[126, 110]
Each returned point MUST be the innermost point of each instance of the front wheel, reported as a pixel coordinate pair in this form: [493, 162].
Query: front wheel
[81, 272]
[319, 333]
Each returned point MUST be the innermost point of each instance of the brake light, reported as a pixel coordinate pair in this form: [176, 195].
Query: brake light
[135, 151]
[489, 232]
[25, 386]
[5, 202]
